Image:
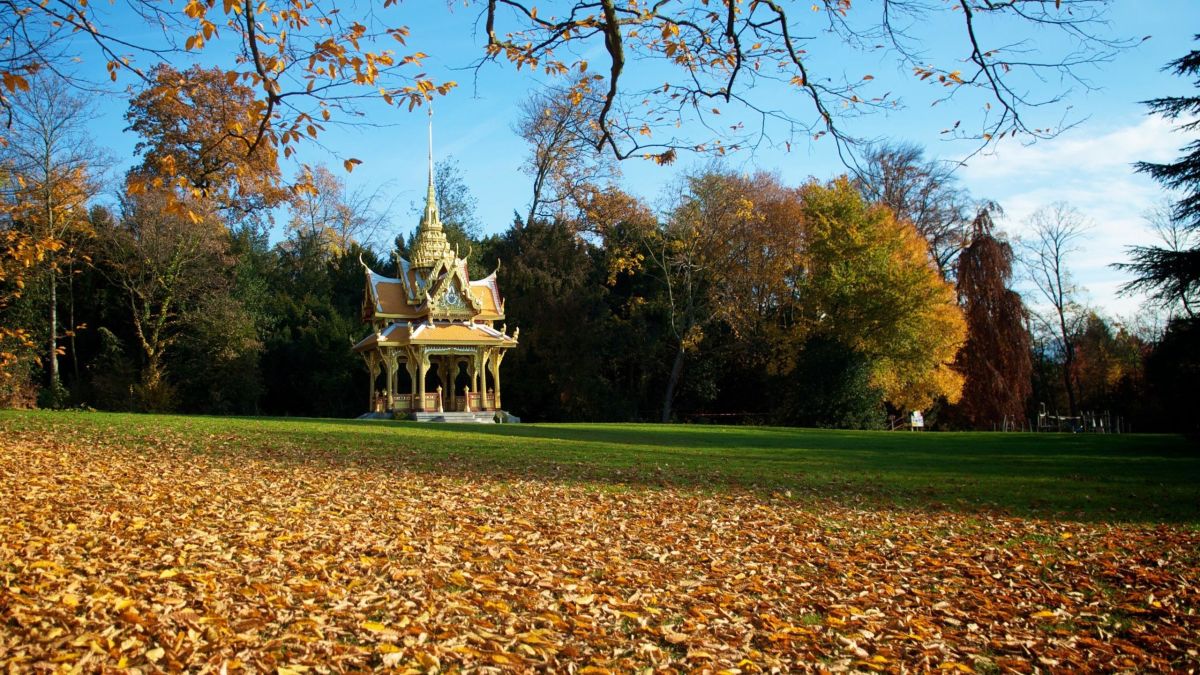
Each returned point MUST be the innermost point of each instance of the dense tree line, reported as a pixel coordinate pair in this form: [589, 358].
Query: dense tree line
[838, 303]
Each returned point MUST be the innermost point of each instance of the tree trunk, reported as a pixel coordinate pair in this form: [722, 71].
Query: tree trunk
[1068, 363]
[52, 342]
[1069, 382]
[672, 384]
[71, 322]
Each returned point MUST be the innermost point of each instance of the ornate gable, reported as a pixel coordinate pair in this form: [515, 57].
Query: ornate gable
[450, 297]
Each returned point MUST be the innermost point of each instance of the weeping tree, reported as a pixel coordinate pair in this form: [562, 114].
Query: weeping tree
[995, 360]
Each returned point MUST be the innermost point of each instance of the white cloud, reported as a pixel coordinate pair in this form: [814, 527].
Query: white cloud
[1094, 173]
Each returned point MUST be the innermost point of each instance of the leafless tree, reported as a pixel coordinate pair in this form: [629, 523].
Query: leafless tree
[923, 192]
[333, 215]
[716, 54]
[1056, 231]
[563, 158]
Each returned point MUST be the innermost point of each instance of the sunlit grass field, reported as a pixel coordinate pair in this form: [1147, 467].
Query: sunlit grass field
[1153, 478]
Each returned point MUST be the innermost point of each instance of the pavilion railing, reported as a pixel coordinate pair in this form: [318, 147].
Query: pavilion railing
[479, 401]
[431, 402]
[474, 398]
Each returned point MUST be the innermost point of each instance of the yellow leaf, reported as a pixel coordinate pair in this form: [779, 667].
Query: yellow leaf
[155, 654]
[1044, 614]
[374, 626]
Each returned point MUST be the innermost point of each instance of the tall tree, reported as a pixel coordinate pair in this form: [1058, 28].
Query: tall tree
[923, 192]
[336, 217]
[165, 263]
[199, 129]
[868, 285]
[19, 254]
[996, 358]
[563, 161]
[52, 166]
[553, 284]
[1171, 272]
[1056, 232]
[686, 253]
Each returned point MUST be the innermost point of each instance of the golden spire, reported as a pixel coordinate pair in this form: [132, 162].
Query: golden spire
[430, 245]
[430, 218]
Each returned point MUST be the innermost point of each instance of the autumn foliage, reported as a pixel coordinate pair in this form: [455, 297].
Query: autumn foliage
[201, 133]
[172, 545]
[872, 286]
[995, 361]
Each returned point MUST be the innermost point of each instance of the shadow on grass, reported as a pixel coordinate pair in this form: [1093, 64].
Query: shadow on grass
[1090, 478]
[1147, 478]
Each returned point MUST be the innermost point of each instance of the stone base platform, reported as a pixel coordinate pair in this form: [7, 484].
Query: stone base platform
[482, 417]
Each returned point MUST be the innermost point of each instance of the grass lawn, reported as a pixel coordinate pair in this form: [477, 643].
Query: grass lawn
[160, 542]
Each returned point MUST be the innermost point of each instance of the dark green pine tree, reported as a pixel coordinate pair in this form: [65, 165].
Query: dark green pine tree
[1172, 274]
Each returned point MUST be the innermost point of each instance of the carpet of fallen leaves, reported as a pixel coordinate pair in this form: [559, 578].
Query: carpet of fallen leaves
[153, 556]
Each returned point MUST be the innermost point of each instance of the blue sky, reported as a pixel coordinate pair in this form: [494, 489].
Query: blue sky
[1087, 165]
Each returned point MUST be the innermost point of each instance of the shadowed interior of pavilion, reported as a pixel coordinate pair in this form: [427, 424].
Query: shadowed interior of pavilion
[434, 352]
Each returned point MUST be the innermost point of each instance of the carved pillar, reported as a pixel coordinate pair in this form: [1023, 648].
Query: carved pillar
[372, 371]
[484, 359]
[422, 368]
[410, 365]
[477, 372]
[472, 373]
[389, 359]
[496, 360]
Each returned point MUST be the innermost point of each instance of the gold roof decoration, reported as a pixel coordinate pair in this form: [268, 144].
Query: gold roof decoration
[430, 246]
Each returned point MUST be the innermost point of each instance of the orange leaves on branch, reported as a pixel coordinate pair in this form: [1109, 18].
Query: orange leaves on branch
[204, 132]
[664, 158]
[14, 82]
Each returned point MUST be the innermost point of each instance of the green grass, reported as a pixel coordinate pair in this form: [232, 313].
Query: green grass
[1125, 478]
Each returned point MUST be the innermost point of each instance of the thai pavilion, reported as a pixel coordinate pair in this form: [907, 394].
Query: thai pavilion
[434, 337]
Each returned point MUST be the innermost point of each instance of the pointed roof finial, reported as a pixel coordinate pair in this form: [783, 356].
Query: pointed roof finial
[431, 146]
[430, 218]
[430, 245]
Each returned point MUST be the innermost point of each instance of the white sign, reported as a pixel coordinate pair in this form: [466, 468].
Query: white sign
[918, 420]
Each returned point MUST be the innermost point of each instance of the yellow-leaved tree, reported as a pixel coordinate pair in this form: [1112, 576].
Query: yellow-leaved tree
[869, 284]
